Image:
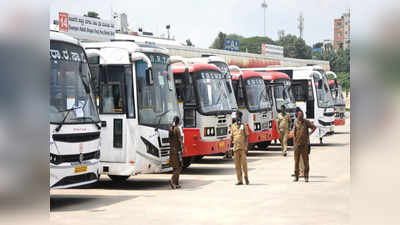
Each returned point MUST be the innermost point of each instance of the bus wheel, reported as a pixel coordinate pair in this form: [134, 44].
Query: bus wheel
[290, 142]
[263, 145]
[117, 178]
[186, 162]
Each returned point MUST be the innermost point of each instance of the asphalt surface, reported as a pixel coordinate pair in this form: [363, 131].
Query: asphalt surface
[209, 195]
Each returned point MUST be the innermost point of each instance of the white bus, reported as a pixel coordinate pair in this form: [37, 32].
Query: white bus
[137, 101]
[312, 93]
[74, 120]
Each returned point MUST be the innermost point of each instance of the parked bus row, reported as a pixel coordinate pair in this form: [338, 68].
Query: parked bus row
[112, 103]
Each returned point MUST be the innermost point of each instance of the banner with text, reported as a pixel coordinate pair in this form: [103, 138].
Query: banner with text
[271, 50]
[86, 28]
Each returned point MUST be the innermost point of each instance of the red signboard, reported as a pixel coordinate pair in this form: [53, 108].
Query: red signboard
[63, 21]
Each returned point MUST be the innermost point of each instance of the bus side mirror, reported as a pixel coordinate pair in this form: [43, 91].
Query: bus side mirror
[149, 76]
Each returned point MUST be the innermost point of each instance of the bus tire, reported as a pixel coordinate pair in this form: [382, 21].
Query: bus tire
[186, 161]
[263, 145]
[117, 178]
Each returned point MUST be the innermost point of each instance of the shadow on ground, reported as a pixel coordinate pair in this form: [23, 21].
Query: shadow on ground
[136, 183]
[193, 170]
[62, 203]
[329, 145]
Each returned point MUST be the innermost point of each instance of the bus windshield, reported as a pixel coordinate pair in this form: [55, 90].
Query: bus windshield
[225, 72]
[337, 95]
[284, 96]
[257, 97]
[71, 99]
[157, 102]
[213, 92]
[323, 92]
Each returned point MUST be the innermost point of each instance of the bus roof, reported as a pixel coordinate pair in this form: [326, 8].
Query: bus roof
[206, 59]
[274, 75]
[193, 67]
[57, 36]
[278, 68]
[130, 46]
[245, 75]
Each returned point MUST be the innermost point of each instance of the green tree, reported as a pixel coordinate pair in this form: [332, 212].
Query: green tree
[93, 14]
[293, 47]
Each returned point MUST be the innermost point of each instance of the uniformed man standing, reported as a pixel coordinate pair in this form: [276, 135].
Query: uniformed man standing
[239, 137]
[301, 138]
[175, 156]
[284, 125]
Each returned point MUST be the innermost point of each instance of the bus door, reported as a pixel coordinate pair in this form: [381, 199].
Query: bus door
[113, 111]
[303, 93]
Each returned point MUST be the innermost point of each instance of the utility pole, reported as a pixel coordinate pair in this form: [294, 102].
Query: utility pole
[301, 24]
[168, 27]
[264, 6]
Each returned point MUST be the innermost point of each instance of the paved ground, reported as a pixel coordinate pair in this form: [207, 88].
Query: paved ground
[209, 195]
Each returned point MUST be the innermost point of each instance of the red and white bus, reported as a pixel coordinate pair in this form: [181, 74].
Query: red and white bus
[255, 103]
[203, 96]
[281, 93]
[338, 100]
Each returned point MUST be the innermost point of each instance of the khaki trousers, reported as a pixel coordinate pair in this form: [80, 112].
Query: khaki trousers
[241, 163]
[283, 139]
[300, 152]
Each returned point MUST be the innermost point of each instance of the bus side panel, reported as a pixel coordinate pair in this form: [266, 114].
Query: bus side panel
[195, 146]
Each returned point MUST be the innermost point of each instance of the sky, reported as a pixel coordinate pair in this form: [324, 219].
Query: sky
[201, 21]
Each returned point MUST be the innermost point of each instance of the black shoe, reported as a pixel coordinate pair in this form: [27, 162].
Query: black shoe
[306, 179]
[247, 180]
[239, 183]
[285, 154]
[296, 179]
[177, 186]
[171, 185]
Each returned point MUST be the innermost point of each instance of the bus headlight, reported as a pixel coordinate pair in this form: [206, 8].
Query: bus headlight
[209, 131]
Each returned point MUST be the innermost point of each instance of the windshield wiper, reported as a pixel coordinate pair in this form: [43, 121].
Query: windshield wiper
[68, 111]
[89, 118]
[161, 115]
[65, 117]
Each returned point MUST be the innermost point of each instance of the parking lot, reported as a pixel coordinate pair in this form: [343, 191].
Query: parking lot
[209, 195]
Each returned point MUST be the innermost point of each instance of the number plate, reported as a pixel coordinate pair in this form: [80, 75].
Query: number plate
[221, 144]
[81, 169]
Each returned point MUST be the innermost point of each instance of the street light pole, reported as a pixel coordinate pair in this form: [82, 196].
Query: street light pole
[264, 6]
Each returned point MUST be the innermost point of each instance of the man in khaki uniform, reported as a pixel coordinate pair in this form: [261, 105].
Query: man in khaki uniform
[284, 125]
[301, 139]
[239, 137]
[175, 156]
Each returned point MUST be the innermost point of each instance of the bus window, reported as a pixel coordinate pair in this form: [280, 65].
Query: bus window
[112, 91]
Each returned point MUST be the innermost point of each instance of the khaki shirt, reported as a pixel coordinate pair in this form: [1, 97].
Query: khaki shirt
[283, 121]
[239, 136]
[301, 132]
[175, 139]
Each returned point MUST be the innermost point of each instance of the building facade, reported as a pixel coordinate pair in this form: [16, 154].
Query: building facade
[342, 32]
[121, 22]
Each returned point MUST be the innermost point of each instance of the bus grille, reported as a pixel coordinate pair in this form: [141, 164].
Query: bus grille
[164, 152]
[221, 131]
[165, 166]
[58, 159]
[76, 179]
[76, 137]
